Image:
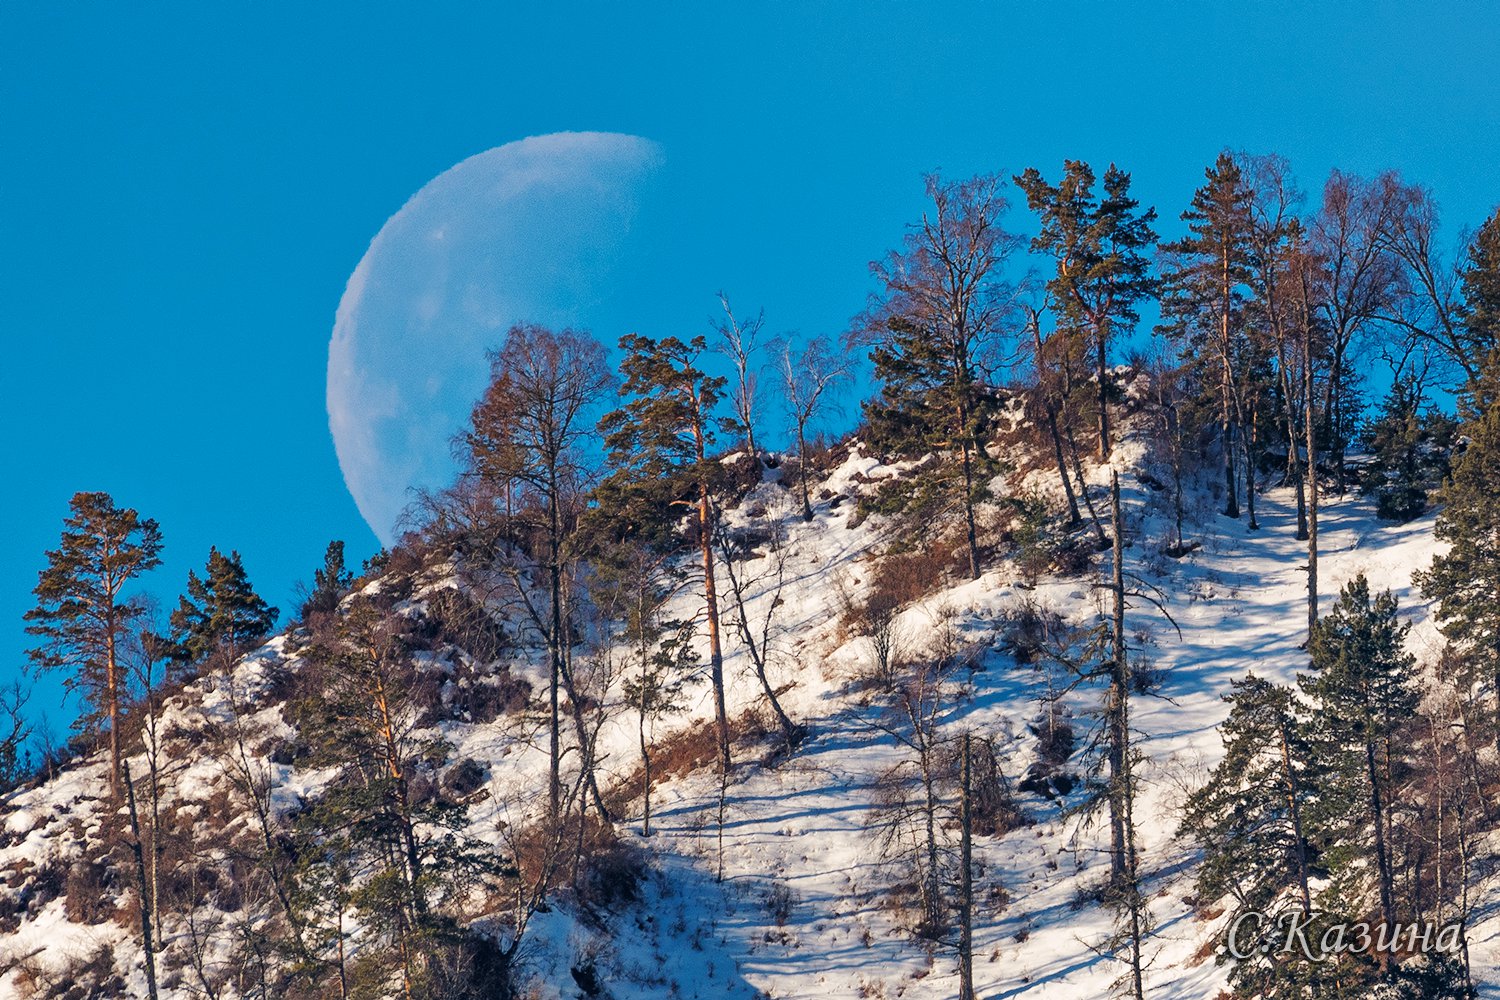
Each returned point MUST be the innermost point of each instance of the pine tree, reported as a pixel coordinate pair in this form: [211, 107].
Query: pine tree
[1409, 447]
[1204, 310]
[1249, 820]
[1464, 581]
[661, 443]
[412, 860]
[220, 613]
[1480, 281]
[1248, 817]
[331, 582]
[1101, 246]
[83, 616]
[1362, 688]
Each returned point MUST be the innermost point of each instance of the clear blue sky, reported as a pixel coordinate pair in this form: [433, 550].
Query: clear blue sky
[185, 188]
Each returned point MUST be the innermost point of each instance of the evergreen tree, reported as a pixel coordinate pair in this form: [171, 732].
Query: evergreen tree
[220, 613]
[1101, 246]
[83, 616]
[1480, 282]
[411, 862]
[1362, 688]
[1249, 818]
[661, 443]
[331, 582]
[1206, 284]
[1409, 447]
[1464, 581]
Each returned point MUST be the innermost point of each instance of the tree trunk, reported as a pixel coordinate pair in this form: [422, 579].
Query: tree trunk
[807, 511]
[154, 773]
[1312, 483]
[931, 888]
[343, 964]
[711, 602]
[1119, 736]
[1252, 456]
[147, 944]
[112, 685]
[965, 879]
[1439, 798]
[1074, 518]
[1294, 810]
[1103, 372]
[973, 534]
[1051, 411]
[1122, 788]
[407, 829]
[645, 770]
[1382, 861]
[1293, 458]
[1226, 444]
[554, 643]
[580, 726]
[1083, 490]
[710, 594]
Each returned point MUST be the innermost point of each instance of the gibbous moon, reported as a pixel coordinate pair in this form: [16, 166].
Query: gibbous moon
[527, 232]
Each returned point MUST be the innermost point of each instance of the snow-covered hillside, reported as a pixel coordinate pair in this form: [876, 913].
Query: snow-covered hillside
[804, 907]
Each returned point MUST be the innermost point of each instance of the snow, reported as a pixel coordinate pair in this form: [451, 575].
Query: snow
[803, 908]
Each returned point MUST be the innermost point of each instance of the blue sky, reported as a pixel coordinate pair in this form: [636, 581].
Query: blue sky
[184, 190]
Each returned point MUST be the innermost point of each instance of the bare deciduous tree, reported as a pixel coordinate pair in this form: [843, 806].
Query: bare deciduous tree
[809, 378]
[530, 431]
[938, 318]
[738, 344]
[753, 578]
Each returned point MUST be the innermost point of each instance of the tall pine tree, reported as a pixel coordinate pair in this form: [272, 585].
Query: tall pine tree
[1249, 817]
[1480, 281]
[1204, 309]
[1464, 581]
[1250, 820]
[1101, 247]
[661, 442]
[83, 616]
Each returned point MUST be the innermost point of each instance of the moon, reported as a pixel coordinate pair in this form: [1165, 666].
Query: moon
[531, 231]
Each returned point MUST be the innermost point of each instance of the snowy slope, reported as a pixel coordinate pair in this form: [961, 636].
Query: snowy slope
[802, 908]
